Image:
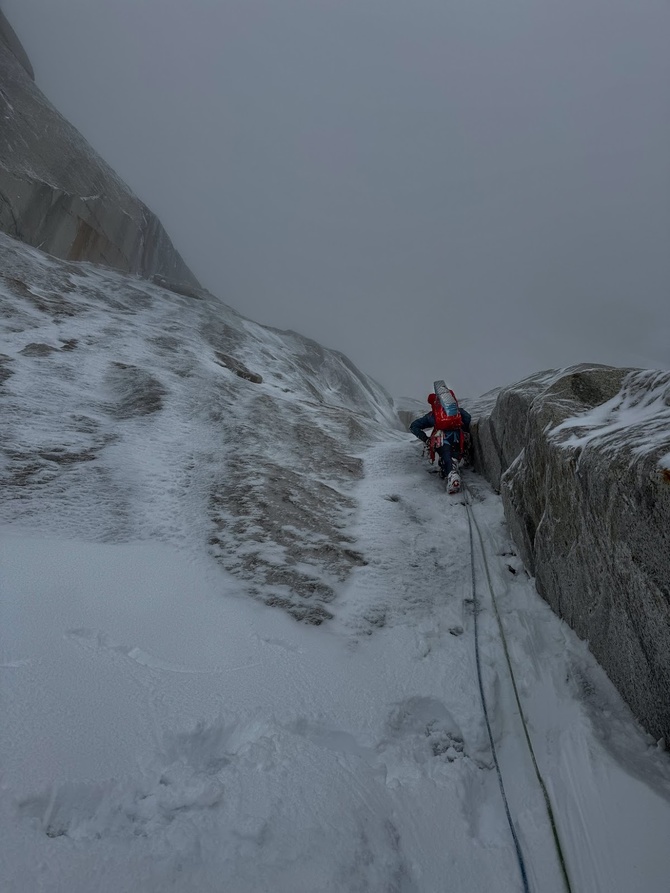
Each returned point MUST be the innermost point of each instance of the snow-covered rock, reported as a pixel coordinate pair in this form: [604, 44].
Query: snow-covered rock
[582, 458]
[57, 193]
[133, 412]
[162, 458]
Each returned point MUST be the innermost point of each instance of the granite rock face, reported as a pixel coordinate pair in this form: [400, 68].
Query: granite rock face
[56, 193]
[582, 459]
[409, 408]
[12, 42]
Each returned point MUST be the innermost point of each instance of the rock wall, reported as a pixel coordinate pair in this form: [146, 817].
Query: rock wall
[582, 459]
[408, 409]
[57, 194]
[12, 42]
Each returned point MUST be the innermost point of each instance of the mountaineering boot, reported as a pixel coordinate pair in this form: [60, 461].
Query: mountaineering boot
[454, 482]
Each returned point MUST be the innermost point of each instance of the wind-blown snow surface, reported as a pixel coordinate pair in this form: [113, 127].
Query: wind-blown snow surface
[162, 731]
[134, 413]
[637, 418]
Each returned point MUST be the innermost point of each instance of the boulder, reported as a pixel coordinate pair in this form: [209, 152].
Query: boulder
[582, 459]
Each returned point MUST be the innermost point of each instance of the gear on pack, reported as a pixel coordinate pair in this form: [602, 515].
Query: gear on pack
[447, 414]
[450, 425]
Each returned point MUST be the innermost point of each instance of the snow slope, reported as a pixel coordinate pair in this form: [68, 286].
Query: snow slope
[163, 731]
[135, 413]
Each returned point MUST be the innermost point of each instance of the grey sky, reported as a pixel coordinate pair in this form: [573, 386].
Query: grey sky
[472, 190]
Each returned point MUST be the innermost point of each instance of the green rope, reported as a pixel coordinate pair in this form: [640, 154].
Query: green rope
[547, 801]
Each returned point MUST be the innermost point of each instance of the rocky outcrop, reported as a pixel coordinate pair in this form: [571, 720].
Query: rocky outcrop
[582, 459]
[57, 194]
[12, 42]
[408, 409]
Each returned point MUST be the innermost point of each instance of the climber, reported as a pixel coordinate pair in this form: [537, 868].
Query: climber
[450, 423]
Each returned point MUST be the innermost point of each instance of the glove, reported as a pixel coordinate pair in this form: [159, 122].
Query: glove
[423, 437]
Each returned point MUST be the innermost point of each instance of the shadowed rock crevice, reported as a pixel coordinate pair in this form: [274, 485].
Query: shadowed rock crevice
[238, 368]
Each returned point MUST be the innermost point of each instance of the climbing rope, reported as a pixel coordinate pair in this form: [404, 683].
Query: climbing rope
[517, 845]
[472, 522]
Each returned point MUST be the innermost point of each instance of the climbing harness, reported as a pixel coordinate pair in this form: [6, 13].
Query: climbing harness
[473, 525]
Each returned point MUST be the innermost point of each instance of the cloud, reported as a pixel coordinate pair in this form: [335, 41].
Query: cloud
[460, 190]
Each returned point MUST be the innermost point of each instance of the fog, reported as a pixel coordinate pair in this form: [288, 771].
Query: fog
[472, 190]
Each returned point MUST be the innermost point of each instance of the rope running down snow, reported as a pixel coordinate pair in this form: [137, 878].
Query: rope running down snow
[517, 845]
[472, 521]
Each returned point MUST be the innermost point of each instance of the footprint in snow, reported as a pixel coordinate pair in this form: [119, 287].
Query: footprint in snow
[185, 779]
[125, 808]
[422, 729]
